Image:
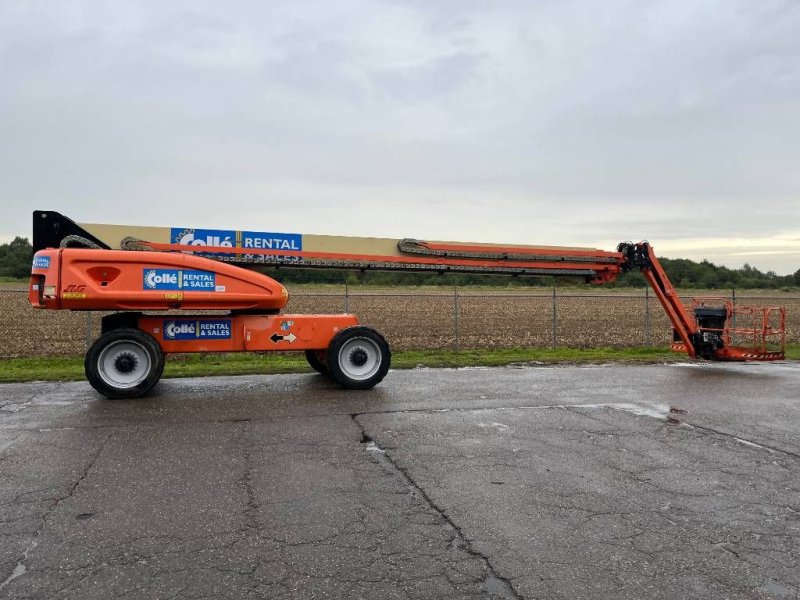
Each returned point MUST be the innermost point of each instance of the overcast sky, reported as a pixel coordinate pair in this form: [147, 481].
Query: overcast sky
[537, 122]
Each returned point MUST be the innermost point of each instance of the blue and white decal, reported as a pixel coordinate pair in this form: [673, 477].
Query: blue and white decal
[203, 237]
[272, 241]
[41, 262]
[191, 329]
[199, 281]
[179, 279]
[226, 238]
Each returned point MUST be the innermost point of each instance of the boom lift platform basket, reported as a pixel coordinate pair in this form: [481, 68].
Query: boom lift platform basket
[753, 333]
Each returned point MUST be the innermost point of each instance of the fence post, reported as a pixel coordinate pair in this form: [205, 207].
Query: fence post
[346, 295]
[648, 327]
[456, 340]
[555, 318]
[89, 330]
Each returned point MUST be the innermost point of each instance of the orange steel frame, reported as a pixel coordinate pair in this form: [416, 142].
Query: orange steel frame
[607, 271]
[671, 302]
[608, 266]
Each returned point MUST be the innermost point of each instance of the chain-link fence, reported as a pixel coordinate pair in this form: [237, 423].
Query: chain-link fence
[457, 319]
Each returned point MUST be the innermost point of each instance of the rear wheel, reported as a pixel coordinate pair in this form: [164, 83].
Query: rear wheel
[316, 358]
[358, 358]
[124, 363]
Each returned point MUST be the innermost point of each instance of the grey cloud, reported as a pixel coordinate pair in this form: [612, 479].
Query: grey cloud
[436, 78]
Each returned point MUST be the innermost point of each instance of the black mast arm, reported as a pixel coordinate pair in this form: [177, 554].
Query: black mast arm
[51, 229]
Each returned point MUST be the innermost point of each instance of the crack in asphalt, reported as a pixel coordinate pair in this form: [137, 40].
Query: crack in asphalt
[20, 569]
[746, 442]
[649, 410]
[700, 432]
[246, 481]
[495, 583]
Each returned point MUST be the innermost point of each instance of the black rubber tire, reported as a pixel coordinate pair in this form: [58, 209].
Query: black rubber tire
[315, 358]
[109, 379]
[349, 348]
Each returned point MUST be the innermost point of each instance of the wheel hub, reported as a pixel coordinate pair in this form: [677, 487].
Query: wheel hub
[359, 357]
[125, 363]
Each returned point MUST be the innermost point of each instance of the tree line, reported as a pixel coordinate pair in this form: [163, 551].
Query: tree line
[16, 258]
[682, 272]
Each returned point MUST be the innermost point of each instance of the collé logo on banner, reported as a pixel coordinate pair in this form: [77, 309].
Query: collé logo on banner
[179, 279]
[260, 240]
[203, 237]
[41, 262]
[190, 329]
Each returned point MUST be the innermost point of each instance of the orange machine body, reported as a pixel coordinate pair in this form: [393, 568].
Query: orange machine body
[244, 333]
[87, 279]
[117, 280]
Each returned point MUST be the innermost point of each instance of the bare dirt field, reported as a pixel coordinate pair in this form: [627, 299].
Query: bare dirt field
[422, 318]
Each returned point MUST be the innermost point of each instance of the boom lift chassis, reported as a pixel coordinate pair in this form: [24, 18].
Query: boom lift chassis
[73, 270]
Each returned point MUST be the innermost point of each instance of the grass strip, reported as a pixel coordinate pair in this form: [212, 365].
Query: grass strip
[245, 363]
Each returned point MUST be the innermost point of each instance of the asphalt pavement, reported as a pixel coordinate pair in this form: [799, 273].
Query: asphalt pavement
[657, 481]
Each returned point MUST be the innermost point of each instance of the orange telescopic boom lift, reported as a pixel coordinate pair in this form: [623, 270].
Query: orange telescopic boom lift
[74, 270]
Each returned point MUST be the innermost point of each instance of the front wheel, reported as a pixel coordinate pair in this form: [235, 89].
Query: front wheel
[358, 358]
[124, 363]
